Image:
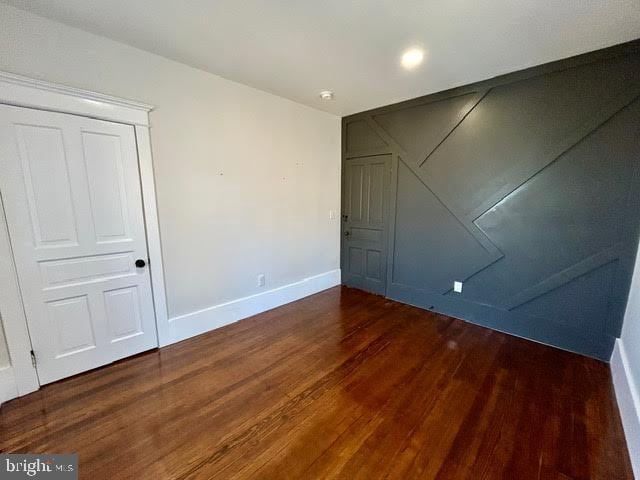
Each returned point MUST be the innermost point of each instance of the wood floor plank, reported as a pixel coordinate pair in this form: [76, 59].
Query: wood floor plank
[342, 384]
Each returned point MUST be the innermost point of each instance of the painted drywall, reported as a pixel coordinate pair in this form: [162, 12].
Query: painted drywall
[245, 179]
[525, 188]
[630, 338]
[625, 370]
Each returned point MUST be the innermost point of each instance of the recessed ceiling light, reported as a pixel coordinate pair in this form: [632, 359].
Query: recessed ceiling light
[326, 95]
[412, 58]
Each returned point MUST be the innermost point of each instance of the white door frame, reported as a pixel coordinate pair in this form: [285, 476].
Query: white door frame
[25, 92]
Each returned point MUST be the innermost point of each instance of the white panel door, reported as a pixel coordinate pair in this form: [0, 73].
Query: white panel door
[71, 190]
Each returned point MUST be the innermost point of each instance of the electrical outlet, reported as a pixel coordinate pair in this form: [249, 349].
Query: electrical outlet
[332, 214]
[457, 287]
[261, 280]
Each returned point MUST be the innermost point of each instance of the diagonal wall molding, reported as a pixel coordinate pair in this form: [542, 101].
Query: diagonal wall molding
[563, 277]
[473, 229]
[541, 169]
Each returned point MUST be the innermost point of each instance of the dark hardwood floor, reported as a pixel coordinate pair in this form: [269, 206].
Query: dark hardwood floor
[342, 384]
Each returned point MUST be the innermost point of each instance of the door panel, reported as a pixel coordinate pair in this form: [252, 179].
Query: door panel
[46, 183]
[376, 194]
[374, 270]
[365, 211]
[123, 313]
[354, 177]
[105, 178]
[71, 189]
[57, 273]
[71, 318]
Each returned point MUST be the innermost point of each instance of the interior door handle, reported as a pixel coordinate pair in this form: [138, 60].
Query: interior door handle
[347, 233]
[140, 263]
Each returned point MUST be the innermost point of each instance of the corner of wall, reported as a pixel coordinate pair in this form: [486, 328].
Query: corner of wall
[628, 398]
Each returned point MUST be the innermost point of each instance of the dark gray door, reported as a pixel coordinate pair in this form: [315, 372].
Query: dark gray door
[364, 222]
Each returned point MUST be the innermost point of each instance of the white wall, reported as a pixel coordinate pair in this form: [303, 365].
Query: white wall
[245, 179]
[631, 328]
[625, 368]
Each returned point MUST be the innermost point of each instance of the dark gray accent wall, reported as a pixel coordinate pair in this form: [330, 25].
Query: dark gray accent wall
[525, 187]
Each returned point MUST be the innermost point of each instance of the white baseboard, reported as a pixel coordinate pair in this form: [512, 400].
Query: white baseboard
[8, 386]
[201, 321]
[628, 397]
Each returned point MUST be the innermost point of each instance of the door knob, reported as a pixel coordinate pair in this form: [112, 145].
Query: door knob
[140, 263]
[347, 233]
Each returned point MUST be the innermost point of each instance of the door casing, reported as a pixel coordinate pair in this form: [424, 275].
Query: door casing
[25, 92]
[86, 301]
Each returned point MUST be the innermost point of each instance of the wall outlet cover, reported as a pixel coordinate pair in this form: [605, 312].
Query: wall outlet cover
[261, 280]
[457, 287]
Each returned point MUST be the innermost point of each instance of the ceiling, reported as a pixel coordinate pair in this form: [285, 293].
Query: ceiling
[297, 48]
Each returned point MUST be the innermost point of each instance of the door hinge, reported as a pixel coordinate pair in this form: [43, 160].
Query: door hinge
[34, 362]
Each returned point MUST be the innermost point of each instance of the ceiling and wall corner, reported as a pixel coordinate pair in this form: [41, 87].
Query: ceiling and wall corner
[298, 49]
